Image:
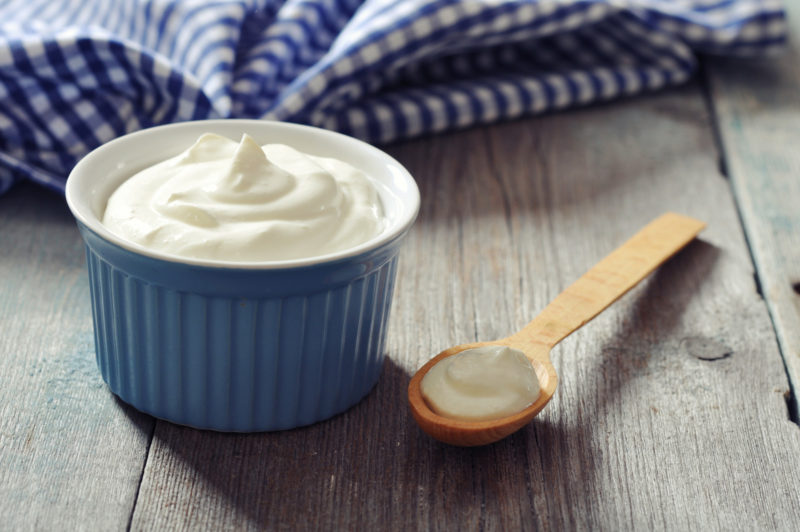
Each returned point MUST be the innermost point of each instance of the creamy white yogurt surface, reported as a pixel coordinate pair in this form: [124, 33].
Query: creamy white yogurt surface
[232, 201]
[479, 384]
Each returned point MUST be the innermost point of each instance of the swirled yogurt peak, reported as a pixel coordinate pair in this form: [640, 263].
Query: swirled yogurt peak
[224, 200]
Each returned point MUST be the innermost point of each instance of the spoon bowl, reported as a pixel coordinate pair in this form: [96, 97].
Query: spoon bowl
[473, 433]
[603, 284]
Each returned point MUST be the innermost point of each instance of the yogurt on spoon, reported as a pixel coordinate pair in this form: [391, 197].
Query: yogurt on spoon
[482, 383]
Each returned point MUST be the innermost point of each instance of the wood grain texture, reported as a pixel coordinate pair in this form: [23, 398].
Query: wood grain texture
[757, 104]
[70, 455]
[670, 410]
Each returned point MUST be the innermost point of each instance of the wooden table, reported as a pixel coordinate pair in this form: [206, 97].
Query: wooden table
[675, 407]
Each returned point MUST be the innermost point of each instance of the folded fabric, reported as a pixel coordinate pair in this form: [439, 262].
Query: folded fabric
[75, 74]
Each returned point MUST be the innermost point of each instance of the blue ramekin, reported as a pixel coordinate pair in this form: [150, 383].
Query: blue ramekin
[235, 346]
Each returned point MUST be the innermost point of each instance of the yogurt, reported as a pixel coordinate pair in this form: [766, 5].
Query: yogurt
[242, 202]
[480, 384]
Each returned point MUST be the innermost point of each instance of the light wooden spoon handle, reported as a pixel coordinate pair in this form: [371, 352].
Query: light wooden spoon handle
[609, 279]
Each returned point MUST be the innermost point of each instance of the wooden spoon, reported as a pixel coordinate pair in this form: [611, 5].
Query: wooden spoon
[606, 282]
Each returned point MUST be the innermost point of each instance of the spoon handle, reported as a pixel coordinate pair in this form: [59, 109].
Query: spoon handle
[611, 278]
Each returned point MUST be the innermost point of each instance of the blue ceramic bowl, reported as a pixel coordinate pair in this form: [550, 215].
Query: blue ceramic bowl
[236, 346]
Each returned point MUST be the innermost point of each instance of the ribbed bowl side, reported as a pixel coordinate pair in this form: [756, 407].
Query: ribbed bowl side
[234, 363]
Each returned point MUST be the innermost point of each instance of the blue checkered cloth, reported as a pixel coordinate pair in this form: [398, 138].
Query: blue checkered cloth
[77, 73]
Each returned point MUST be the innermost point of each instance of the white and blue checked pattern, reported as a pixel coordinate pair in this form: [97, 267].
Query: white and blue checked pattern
[77, 73]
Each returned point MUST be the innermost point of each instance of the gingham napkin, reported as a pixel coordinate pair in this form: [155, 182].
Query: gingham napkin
[75, 74]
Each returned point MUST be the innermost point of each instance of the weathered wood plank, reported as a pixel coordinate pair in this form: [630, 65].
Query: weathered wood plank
[670, 409]
[757, 105]
[71, 456]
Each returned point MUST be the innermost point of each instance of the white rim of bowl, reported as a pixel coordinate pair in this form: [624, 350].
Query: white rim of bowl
[408, 213]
